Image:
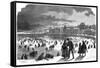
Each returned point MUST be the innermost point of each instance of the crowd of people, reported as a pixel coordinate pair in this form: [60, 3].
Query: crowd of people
[40, 49]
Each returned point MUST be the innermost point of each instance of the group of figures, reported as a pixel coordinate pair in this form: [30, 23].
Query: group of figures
[68, 48]
[42, 49]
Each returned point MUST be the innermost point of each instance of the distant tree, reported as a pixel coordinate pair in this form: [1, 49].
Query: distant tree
[82, 26]
[92, 27]
[64, 28]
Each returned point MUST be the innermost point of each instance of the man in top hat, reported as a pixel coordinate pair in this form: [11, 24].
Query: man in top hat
[71, 47]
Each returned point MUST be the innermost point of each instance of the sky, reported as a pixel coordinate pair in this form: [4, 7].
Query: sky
[55, 15]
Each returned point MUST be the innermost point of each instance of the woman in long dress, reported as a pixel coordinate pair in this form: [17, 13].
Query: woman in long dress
[80, 50]
[83, 49]
[65, 50]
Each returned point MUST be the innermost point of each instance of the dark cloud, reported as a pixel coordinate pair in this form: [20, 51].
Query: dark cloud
[58, 9]
[82, 9]
[31, 16]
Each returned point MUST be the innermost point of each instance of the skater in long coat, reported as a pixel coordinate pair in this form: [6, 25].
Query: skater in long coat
[71, 48]
[64, 49]
[83, 49]
[80, 49]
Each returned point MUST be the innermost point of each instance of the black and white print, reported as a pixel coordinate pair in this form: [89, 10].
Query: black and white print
[55, 33]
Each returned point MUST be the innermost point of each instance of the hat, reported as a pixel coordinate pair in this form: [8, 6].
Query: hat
[67, 38]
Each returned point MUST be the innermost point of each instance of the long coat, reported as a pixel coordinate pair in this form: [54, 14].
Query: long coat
[70, 44]
[65, 50]
[82, 48]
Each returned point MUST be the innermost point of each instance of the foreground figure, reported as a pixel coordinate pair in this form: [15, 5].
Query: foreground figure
[67, 49]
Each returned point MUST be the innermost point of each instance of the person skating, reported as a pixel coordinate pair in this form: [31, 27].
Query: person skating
[83, 48]
[80, 49]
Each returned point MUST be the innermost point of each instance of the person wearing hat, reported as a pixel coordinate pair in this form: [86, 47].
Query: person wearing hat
[65, 50]
[71, 47]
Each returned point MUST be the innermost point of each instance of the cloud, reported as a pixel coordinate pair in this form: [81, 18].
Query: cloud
[44, 15]
[61, 16]
[81, 17]
[82, 9]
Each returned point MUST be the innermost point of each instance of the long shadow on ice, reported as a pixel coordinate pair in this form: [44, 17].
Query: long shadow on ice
[79, 58]
[64, 60]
